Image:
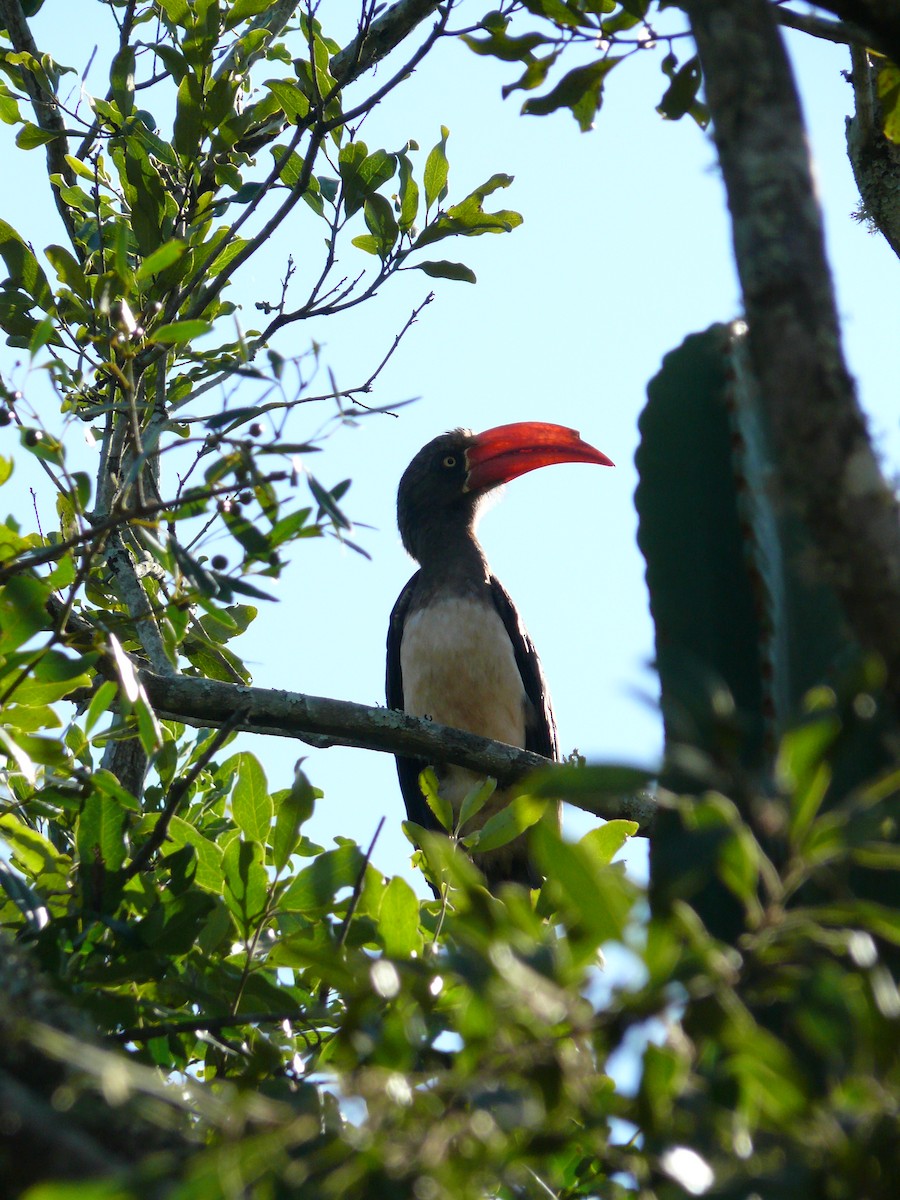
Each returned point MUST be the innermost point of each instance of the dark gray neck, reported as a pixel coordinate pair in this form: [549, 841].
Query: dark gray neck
[452, 560]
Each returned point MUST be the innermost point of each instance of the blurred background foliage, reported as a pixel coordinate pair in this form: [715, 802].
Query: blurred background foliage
[199, 1000]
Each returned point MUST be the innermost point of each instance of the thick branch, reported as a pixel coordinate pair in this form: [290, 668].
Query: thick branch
[879, 18]
[376, 42]
[828, 468]
[324, 722]
[843, 33]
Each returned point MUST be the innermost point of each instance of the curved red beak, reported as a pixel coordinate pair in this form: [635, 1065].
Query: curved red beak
[507, 451]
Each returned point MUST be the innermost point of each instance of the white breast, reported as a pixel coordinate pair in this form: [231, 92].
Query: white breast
[459, 669]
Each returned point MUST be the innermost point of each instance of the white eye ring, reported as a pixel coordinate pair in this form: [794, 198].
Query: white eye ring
[448, 461]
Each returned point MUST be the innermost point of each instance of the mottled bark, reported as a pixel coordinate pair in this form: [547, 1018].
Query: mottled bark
[875, 160]
[324, 722]
[827, 465]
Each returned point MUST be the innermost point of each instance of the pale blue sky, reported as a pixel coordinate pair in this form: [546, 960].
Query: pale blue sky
[623, 252]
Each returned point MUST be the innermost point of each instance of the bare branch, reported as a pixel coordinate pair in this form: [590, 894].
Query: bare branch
[320, 721]
[879, 18]
[843, 33]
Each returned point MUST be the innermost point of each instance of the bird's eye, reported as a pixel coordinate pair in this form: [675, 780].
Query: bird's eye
[448, 461]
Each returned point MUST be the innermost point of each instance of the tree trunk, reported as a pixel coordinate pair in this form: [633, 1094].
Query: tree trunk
[828, 469]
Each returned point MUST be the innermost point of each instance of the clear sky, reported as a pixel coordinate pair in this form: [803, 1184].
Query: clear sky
[625, 249]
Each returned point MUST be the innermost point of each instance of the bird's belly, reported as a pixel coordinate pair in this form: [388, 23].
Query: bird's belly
[459, 669]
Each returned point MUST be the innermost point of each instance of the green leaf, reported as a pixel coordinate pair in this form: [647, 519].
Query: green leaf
[251, 803]
[292, 170]
[294, 104]
[22, 611]
[26, 900]
[507, 49]
[570, 779]
[125, 669]
[31, 851]
[246, 883]
[581, 90]
[31, 136]
[398, 920]
[468, 217]
[69, 270]
[888, 88]
[100, 832]
[605, 842]
[9, 108]
[382, 224]
[177, 11]
[475, 800]
[178, 332]
[680, 96]
[121, 78]
[18, 755]
[210, 873]
[293, 810]
[505, 826]
[149, 730]
[437, 171]
[52, 677]
[44, 332]
[188, 117]
[316, 886]
[448, 270]
[597, 898]
[327, 503]
[167, 254]
[439, 805]
[408, 196]
[23, 267]
[100, 704]
[242, 10]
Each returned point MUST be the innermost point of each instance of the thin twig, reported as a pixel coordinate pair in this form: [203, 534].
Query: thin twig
[177, 793]
[140, 1034]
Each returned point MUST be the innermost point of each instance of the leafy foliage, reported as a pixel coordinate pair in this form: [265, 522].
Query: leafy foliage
[200, 1000]
[605, 34]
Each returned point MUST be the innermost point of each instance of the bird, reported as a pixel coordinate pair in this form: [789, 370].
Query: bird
[458, 652]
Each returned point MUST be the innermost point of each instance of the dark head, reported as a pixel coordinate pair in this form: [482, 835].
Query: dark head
[439, 493]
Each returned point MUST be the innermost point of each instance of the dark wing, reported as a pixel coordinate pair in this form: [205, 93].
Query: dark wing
[540, 724]
[408, 769]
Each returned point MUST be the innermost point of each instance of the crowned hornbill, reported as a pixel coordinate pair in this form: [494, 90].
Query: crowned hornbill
[457, 650]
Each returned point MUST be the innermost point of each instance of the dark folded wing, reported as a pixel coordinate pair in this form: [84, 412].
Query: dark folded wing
[540, 724]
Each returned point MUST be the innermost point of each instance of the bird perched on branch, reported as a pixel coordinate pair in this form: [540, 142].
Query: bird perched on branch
[457, 651]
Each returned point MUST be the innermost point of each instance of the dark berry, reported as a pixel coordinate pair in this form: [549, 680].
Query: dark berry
[255, 429]
[219, 562]
[246, 497]
[5, 418]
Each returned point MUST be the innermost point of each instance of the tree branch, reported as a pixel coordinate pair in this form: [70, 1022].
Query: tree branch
[880, 19]
[875, 160]
[828, 469]
[320, 721]
[46, 110]
[377, 41]
[843, 33]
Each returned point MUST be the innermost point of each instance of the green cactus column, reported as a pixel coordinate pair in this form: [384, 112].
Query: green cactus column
[745, 624]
